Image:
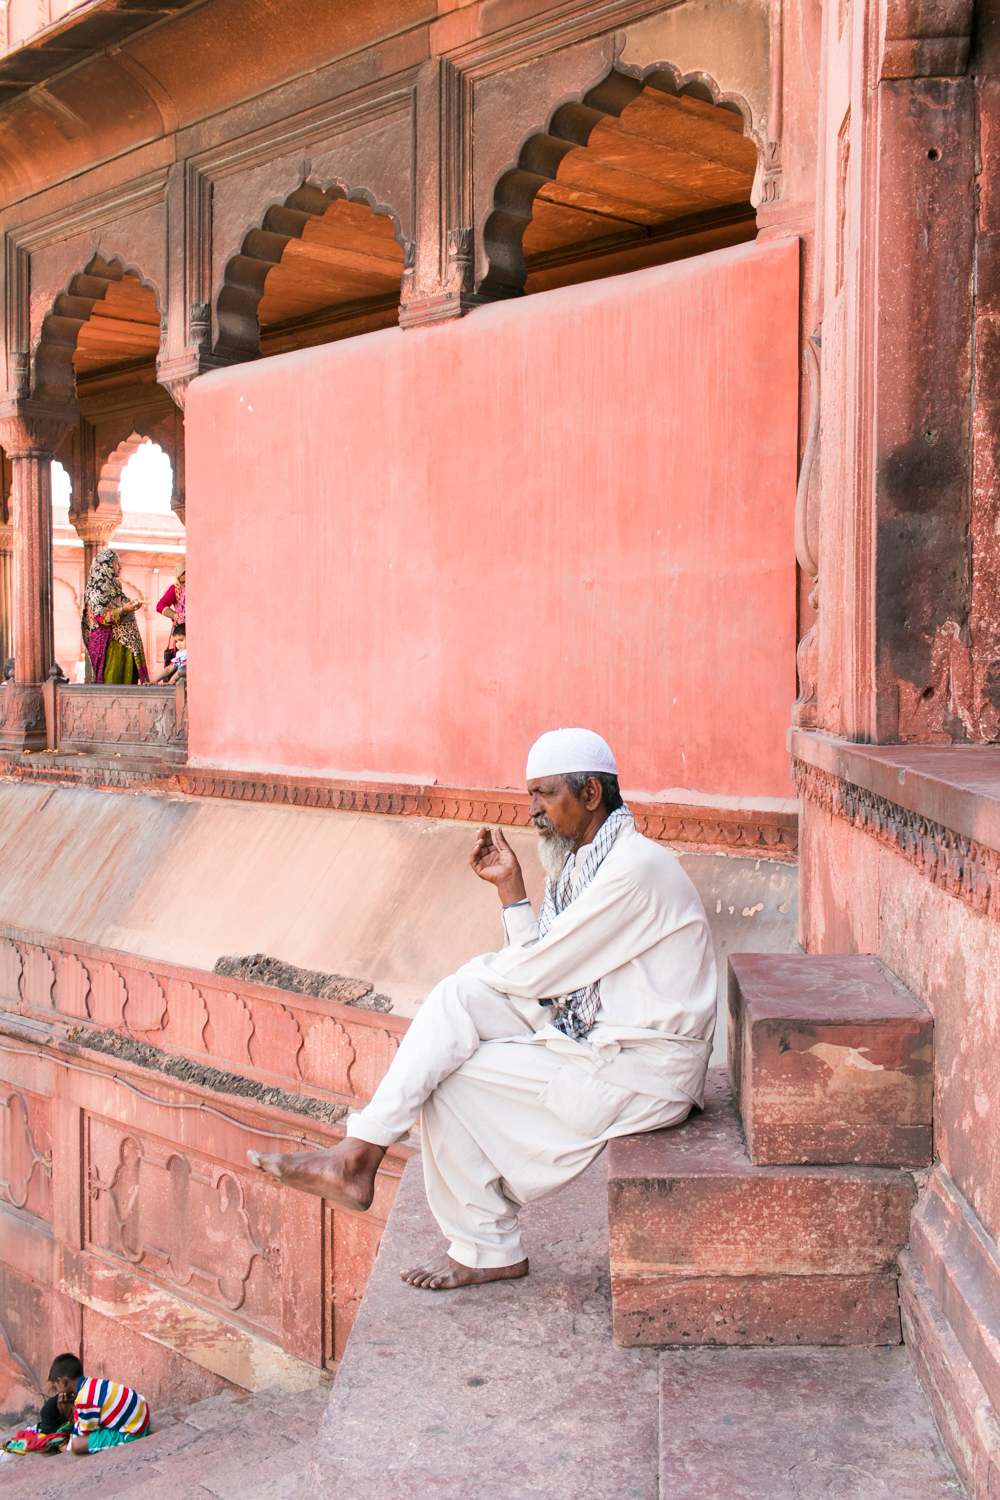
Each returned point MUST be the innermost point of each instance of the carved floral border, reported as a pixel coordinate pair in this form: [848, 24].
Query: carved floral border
[767, 835]
[959, 865]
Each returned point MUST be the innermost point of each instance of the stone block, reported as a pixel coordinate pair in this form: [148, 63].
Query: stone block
[831, 1061]
[751, 1310]
[706, 1247]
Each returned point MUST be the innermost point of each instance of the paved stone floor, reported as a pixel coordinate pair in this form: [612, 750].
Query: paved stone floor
[516, 1392]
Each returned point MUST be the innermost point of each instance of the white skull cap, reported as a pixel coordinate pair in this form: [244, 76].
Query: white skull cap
[560, 752]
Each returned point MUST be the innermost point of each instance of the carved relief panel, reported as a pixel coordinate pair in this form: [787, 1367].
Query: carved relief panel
[25, 1151]
[185, 1219]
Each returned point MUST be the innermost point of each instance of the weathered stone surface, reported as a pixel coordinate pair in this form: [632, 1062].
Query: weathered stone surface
[707, 1247]
[260, 969]
[965, 1414]
[513, 1389]
[831, 1060]
[961, 1264]
[769, 1424]
[748, 1310]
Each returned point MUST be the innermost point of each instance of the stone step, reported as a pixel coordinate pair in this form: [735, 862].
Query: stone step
[784, 1424]
[831, 1061]
[707, 1248]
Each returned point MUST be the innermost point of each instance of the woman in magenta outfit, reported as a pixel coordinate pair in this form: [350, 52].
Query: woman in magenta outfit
[172, 603]
[110, 633]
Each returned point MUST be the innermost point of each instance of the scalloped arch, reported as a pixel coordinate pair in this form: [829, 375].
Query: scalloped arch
[570, 127]
[262, 249]
[54, 375]
[109, 482]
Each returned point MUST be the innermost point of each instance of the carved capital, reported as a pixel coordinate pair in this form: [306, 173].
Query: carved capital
[95, 526]
[31, 429]
[175, 375]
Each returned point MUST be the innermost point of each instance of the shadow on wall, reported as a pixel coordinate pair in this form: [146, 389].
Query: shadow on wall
[752, 907]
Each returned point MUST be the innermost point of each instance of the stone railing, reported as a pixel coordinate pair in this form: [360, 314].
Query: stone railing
[298, 1043]
[140, 723]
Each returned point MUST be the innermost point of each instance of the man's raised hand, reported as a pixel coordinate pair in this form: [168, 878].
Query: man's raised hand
[495, 861]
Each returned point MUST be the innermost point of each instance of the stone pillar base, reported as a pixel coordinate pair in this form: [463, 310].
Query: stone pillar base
[22, 726]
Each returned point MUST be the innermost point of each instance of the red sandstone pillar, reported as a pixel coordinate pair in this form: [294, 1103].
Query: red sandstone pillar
[30, 435]
[6, 597]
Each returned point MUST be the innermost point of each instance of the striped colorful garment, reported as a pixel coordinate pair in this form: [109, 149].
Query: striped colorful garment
[103, 1405]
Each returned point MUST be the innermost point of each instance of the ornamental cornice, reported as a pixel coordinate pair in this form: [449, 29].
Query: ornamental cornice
[955, 863]
[767, 835]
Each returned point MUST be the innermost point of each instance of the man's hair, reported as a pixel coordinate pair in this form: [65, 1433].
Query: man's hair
[577, 780]
[66, 1367]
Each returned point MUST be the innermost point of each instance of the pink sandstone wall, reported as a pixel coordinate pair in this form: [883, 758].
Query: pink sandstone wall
[574, 508]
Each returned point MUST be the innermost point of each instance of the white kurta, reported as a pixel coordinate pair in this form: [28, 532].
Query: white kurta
[513, 1109]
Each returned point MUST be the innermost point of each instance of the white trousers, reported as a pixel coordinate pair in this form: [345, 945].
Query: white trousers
[504, 1120]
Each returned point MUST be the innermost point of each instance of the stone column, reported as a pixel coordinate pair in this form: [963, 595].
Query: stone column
[30, 433]
[6, 599]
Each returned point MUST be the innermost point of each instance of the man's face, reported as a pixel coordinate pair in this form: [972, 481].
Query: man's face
[555, 810]
[65, 1386]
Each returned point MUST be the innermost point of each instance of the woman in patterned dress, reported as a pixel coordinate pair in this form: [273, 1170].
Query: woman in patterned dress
[110, 632]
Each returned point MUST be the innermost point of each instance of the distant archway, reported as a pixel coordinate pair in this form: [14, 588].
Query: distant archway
[147, 480]
[666, 156]
[321, 252]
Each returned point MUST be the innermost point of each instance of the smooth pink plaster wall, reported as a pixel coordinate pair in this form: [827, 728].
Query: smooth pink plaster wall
[574, 508]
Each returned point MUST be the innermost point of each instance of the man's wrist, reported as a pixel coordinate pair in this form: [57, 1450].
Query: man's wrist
[511, 892]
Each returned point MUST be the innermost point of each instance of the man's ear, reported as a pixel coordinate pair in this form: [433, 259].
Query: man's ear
[593, 793]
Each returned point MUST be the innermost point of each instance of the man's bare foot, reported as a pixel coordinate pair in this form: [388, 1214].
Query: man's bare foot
[448, 1274]
[345, 1174]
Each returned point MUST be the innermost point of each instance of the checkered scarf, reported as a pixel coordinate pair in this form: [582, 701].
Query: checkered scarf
[578, 1011]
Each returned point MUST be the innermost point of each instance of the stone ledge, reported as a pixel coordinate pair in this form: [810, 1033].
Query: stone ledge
[920, 808]
[955, 786]
[761, 831]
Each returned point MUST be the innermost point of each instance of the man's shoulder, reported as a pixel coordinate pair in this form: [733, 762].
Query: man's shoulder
[648, 863]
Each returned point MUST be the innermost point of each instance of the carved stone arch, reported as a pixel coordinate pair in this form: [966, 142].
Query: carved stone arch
[618, 97]
[262, 249]
[54, 372]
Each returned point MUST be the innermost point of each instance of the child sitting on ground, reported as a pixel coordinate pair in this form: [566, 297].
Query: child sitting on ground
[102, 1412]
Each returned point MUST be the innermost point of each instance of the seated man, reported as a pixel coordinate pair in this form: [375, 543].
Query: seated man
[595, 1020]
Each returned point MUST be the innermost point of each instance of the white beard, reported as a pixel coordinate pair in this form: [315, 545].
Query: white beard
[552, 852]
